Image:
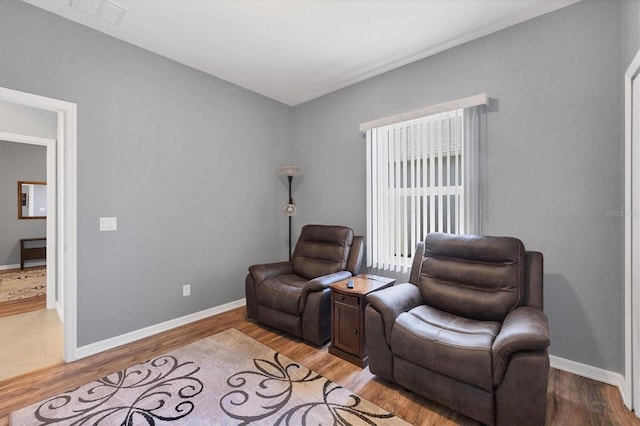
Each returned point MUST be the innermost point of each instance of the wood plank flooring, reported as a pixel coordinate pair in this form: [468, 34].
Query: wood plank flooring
[572, 400]
[20, 306]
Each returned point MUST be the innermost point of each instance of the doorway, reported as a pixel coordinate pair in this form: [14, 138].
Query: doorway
[50, 154]
[63, 229]
[632, 234]
[29, 322]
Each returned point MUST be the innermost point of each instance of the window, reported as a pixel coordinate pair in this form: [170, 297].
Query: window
[423, 176]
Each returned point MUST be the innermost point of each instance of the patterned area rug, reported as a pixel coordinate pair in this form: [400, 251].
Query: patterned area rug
[225, 379]
[18, 284]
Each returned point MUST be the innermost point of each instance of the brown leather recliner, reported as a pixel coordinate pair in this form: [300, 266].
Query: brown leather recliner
[468, 331]
[294, 296]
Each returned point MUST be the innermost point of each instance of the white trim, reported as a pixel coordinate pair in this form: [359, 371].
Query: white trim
[52, 218]
[468, 102]
[66, 162]
[631, 243]
[50, 145]
[590, 372]
[6, 267]
[123, 339]
[31, 140]
[17, 265]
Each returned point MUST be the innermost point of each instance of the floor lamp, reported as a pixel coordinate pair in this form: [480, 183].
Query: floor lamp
[290, 209]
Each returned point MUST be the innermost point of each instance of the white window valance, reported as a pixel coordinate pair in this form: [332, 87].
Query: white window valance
[468, 102]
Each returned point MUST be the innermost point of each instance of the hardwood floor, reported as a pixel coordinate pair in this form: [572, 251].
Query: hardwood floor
[29, 304]
[15, 307]
[572, 400]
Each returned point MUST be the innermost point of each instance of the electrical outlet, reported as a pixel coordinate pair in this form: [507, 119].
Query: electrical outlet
[186, 290]
[108, 223]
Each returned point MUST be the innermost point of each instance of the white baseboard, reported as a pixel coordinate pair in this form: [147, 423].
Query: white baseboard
[591, 372]
[17, 265]
[94, 348]
[5, 267]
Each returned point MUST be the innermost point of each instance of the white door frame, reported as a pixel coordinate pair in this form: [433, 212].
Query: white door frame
[65, 206]
[50, 145]
[632, 234]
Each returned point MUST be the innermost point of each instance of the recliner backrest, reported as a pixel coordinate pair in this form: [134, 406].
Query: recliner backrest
[322, 250]
[476, 277]
[355, 255]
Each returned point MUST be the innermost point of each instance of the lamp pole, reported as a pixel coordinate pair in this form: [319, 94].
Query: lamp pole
[289, 209]
[290, 202]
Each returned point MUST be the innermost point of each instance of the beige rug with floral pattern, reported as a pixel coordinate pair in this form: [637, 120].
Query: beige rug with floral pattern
[225, 379]
[16, 284]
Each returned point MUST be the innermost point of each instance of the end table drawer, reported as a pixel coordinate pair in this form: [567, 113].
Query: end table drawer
[347, 300]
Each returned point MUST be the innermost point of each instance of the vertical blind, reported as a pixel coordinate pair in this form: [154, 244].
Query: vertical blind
[422, 176]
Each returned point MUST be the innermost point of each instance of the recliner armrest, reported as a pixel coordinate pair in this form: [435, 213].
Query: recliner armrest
[392, 301]
[524, 329]
[320, 283]
[268, 270]
[325, 281]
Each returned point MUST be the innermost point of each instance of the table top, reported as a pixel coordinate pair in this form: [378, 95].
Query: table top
[362, 284]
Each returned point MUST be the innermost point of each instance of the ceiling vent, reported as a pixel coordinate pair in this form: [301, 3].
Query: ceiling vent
[105, 10]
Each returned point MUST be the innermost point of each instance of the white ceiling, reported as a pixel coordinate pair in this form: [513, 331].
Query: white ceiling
[296, 50]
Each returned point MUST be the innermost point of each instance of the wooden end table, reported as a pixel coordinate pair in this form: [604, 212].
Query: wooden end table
[347, 319]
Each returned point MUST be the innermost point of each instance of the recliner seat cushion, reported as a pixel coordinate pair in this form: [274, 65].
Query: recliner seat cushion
[321, 250]
[476, 277]
[457, 347]
[281, 293]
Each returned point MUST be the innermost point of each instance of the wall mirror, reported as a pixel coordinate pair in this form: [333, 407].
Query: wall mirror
[32, 200]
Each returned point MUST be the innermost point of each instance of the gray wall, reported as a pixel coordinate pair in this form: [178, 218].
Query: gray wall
[630, 27]
[148, 130]
[28, 121]
[18, 161]
[554, 163]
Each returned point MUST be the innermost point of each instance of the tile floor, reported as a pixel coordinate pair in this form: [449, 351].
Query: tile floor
[30, 341]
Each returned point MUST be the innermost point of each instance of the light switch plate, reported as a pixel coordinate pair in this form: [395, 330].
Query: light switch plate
[108, 223]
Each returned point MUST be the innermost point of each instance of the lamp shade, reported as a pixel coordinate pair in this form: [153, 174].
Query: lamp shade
[289, 170]
[290, 210]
